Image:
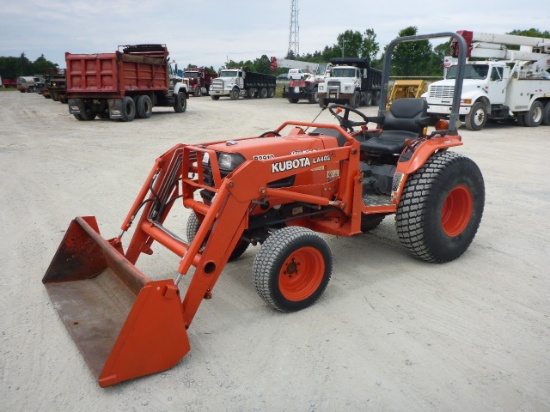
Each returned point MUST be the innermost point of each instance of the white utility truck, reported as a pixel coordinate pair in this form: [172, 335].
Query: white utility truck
[507, 84]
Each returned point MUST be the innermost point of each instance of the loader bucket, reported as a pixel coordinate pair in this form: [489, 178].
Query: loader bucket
[124, 324]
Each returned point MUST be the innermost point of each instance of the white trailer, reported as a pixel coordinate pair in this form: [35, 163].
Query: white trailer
[509, 84]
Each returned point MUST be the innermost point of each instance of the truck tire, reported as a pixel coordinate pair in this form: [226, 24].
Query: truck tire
[250, 93]
[533, 117]
[355, 100]
[322, 103]
[376, 98]
[441, 208]
[262, 94]
[292, 269]
[128, 109]
[193, 224]
[293, 100]
[180, 103]
[270, 92]
[520, 119]
[476, 119]
[234, 94]
[197, 92]
[368, 99]
[215, 97]
[87, 113]
[144, 106]
[546, 114]
[313, 97]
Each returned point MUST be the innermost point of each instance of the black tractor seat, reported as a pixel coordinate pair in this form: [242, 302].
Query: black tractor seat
[406, 120]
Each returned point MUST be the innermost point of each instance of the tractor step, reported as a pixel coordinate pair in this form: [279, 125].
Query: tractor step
[377, 200]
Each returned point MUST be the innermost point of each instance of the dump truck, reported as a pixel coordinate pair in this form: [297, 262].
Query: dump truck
[199, 80]
[123, 85]
[508, 85]
[280, 189]
[243, 82]
[351, 81]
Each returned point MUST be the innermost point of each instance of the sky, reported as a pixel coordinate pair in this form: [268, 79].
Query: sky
[208, 33]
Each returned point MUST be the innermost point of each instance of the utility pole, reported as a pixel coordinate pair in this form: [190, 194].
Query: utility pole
[294, 36]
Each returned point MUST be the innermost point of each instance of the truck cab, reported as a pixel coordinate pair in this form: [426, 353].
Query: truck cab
[344, 84]
[350, 81]
[229, 83]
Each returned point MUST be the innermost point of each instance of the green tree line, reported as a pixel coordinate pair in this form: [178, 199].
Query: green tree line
[409, 59]
[11, 67]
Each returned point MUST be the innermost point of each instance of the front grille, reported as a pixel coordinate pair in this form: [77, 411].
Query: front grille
[442, 92]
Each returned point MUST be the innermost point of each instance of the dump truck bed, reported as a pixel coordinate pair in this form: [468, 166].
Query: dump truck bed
[116, 74]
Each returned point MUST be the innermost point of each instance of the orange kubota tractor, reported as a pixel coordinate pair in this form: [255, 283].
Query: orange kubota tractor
[280, 189]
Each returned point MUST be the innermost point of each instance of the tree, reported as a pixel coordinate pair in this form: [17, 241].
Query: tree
[411, 58]
[369, 46]
[349, 43]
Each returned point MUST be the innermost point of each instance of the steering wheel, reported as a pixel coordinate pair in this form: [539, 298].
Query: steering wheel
[269, 133]
[344, 120]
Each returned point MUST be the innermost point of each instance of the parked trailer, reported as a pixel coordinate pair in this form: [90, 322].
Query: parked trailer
[243, 82]
[9, 83]
[123, 85]
[30, 84]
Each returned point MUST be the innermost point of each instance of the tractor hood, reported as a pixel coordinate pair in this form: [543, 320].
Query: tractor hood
[263, 148]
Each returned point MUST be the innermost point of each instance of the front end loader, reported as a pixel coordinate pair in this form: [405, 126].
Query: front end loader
[281, 190]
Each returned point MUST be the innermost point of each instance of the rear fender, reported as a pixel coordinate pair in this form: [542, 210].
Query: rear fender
[415, 156]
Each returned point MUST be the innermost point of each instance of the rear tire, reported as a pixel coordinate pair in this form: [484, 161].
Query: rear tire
[270, 92]
[441, 208]
[144, 106]
[546, 114]
[293, 101]
[128, 109]
[292, 269]
[263, 93]
[534, 116]
[476, 119]
[355, 100]
[215, 97]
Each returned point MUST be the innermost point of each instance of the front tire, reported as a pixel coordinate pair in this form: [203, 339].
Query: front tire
[180, 104]
[193, 224]
[234, 94]
[292, 268]
[314, 98]
[476, 119]
[441, 208]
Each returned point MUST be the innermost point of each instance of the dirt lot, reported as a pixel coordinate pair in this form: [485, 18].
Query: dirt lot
[390, 332]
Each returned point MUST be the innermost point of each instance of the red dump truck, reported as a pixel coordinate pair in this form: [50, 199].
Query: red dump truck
[123, 85]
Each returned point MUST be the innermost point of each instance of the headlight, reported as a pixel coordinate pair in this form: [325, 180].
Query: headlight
[230, 161]
[348, 88]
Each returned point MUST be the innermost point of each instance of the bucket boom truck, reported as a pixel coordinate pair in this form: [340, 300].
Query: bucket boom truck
[508, 84]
